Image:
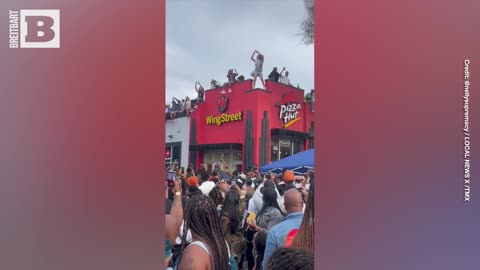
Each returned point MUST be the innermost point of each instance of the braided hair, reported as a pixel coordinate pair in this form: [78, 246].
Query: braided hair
[202, 220]
[291, 259]
[304, 237]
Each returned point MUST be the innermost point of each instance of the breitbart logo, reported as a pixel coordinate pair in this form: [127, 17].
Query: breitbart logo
[34, 28]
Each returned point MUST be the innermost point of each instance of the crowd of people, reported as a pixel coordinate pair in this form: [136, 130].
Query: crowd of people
[188, 105]
[226, 219]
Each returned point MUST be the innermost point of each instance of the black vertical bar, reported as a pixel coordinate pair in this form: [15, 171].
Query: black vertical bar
[311, 133]
[260, 146]
[245, 146]
[250, 139]
[193, 141]
[264, 140]
[265, 135]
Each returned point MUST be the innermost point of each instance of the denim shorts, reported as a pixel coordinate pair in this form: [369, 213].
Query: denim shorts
[257, 72]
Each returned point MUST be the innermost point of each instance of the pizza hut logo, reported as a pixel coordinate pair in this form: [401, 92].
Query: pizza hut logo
[289, 110]
[289, 113]
[222, 104]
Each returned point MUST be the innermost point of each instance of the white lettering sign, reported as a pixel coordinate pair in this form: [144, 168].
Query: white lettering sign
[289, 113]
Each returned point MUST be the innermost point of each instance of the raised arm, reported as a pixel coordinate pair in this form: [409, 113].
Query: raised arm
[253, 54]
[281, 72]
[197, 83]
[175, 219]
[177, 208]
[227, 169]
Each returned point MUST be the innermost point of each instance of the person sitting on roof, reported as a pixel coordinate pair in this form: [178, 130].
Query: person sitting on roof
[215, 84]
[232, 77]
[310, 96]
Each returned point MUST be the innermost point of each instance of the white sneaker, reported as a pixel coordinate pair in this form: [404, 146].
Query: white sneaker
[223, 91]
[229, 90]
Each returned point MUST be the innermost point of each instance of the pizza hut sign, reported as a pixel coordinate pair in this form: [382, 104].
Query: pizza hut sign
[289, 113]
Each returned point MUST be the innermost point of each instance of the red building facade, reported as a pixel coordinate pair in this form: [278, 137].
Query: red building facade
[247, 127]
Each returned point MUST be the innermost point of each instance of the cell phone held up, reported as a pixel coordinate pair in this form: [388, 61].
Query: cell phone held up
[171, 178]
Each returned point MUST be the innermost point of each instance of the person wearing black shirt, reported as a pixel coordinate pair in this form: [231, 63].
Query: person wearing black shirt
[274, 75]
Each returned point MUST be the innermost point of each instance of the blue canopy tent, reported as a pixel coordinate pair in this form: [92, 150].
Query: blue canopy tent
[299, 163]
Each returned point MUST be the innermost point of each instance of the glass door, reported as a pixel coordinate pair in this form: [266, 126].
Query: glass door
[285, 148]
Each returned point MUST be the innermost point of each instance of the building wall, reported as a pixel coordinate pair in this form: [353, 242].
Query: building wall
[243, 99]
[179, 130]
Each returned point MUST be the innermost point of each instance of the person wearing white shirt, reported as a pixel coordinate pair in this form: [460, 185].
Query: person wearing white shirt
[284, 78]
[206, 187]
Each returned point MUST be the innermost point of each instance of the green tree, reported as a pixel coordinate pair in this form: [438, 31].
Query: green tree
[307, 27]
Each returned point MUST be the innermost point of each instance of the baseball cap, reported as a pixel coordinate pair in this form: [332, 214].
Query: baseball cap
[288, 176]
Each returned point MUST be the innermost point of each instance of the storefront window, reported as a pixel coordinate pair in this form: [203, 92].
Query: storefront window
[176, 154]
[298, 146]
[274, 154]
[237, 156]
[232, 158]
[285, 148]
[172, 155]
[168, 156]
[218, 156]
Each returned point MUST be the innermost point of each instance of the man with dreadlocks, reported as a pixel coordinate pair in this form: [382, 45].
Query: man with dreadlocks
[209, 249]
